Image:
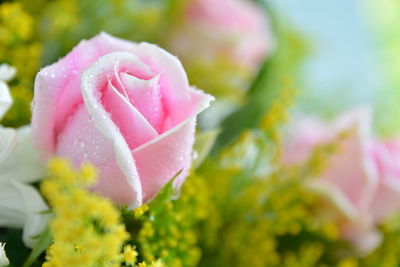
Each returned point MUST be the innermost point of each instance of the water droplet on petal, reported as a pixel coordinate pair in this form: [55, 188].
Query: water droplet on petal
[82, 144]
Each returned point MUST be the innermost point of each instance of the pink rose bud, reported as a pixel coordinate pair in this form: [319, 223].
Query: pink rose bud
[361, 183]
[386, 156]
[235, 29]
[127, 108]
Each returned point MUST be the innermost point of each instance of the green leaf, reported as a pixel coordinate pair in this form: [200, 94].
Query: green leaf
[157, 205]
[203, 144]
[44, 242]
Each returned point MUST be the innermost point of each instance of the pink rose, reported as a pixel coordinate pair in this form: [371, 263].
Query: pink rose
[361, 183]
[127, 108]
[236, 29]
[386, 156]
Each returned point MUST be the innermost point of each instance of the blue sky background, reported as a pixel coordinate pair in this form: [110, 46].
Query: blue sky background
[342, 69]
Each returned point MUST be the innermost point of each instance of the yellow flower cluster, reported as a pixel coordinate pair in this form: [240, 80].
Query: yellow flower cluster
[263, 217]
[277, 115]
[264, 206]
[86, 228]
[169, 230]
[19, 48]
[16, 25]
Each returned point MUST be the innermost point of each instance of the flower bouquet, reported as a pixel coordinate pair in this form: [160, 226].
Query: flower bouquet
[162, 133]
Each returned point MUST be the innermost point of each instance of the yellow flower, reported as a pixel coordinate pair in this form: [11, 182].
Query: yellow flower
[86, 227]
[130, 255]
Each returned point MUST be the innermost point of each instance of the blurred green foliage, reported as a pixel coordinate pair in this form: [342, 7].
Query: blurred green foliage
[240, 207]
[385, 16]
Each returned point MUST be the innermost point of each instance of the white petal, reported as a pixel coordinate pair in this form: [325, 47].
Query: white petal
[18, 159]
[3, 257]
[7, 72]
[7, 142]
[5, 99]
[21, 206]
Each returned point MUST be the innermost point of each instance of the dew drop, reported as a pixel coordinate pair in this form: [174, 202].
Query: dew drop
[82, 144]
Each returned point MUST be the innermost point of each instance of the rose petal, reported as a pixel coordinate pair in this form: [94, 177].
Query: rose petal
[174, 85]
[309, 132]
[82, 142]
[386, 201]
[387, 197]
[133, 126]
[57, 88]
[365, 237]
[163, 157]
[94, 78]
[232, 14]
[353, 172]
[198, 101]
[334, 196]
[353, 226]
[160, 161]
[303, 136]
[145, 96]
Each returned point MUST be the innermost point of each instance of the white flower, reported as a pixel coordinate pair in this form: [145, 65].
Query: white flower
[6, 74]
[3, 257]
[21, 206]
[18, 158]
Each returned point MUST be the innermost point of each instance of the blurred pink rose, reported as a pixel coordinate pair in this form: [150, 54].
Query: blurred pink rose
[127, 108]
[386, 156]
[362, 180]
[236, 29]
